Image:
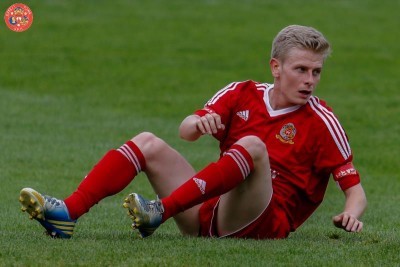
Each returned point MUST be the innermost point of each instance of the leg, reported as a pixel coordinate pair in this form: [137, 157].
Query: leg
[109, 176]
[249, 199]
[166, 170]
[227, 174]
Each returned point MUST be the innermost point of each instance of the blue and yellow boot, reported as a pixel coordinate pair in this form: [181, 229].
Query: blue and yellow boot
[146, 215]
[50, 212]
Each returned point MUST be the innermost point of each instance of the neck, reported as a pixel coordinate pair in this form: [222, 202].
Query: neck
[274, 96]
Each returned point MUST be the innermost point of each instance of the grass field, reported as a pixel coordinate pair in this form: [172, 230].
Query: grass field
[88, 75]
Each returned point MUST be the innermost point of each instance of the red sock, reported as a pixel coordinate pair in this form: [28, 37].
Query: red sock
[214, 180]
[108, 177]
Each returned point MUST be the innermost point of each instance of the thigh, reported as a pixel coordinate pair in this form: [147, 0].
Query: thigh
[246, 202]
[166, 170]
[272, 224]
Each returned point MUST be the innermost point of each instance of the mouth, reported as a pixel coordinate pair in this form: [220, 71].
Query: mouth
[305, 93]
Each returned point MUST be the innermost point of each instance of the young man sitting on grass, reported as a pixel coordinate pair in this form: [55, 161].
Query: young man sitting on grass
[279, 145]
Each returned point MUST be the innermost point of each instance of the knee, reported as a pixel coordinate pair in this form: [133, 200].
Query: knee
[255, 146]
[149, 144]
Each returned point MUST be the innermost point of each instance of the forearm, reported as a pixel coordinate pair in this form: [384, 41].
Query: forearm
[194, 126]
[356, 201]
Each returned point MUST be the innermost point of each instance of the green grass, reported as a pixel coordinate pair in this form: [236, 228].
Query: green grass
[88, 75]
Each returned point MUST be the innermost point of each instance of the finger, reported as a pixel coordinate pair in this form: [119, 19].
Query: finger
[218, 121]
[345, 220]
[355, 226]
[337, 221]
[337, 218]
[206, 125]
[350, 222]
[200, 127]
[212, 122]
[360, 227]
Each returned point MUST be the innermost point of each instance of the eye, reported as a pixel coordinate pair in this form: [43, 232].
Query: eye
[301, 69]
[316, 72]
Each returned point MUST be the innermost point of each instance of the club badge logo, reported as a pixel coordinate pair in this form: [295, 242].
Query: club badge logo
[287, 134]
[18, 17]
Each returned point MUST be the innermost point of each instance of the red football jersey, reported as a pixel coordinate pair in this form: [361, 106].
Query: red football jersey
[305, 143]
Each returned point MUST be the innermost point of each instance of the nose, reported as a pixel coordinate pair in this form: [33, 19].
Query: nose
[310, 79]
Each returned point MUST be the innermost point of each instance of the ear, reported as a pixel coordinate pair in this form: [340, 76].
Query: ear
[275, 67]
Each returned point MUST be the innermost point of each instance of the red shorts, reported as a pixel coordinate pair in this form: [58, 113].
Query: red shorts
[271, 224]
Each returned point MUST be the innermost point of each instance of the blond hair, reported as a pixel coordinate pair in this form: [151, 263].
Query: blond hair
[302, 37]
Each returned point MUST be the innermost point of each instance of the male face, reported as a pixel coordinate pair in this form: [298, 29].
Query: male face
[295, 77]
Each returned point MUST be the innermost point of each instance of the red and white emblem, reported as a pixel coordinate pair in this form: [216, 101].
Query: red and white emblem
[18, 17]
[287, 133]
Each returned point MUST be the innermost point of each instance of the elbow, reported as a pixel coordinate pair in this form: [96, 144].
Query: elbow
[183, 131]
[188, 129]
[183, 136]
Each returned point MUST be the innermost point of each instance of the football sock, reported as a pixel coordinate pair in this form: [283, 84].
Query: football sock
[109, 176]
[214, 180]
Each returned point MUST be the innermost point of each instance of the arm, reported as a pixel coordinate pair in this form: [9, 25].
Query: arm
[209, 119]
[355, 205]
[194, 126]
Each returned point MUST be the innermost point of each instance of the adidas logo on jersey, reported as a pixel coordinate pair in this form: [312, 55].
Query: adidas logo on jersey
[244, 114]
[201, 184]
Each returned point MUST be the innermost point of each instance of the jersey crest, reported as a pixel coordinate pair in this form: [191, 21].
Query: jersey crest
[287, 134]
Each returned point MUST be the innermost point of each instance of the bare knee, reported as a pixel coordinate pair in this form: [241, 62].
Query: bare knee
[149, 144]
[255, 146]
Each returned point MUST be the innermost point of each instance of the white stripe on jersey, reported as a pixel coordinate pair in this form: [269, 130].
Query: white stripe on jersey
[263, 86]
[333, 126]
[221, 92]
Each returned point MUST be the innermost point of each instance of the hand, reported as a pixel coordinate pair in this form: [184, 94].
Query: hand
[210, 123]
[347, 222]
